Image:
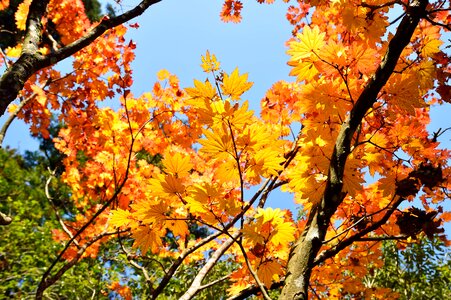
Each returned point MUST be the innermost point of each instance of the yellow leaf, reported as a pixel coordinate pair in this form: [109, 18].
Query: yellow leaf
[12, 108]
[172, 185]
[303, 70]
[163, 74]
[266, 162]
[352, 178]
[41, 98]
[216, 142]
[426, 74]
[234, 85]
[22, 14]
[252, 232]
[269, 214]
[241, 115]
[282, 234]
[156, 213]
[177, 165]
[177, 227]
[431, 47]
[119, 218]
[14, 52]
[309, 41]
[209, 63]
[227, 171]
[304, 52]
[201, 90]
[145, 239]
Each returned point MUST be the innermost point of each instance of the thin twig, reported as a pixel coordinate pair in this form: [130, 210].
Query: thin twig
[55, 209]
[253, 273]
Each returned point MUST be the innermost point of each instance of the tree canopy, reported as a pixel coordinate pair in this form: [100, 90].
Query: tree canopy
[174, 183]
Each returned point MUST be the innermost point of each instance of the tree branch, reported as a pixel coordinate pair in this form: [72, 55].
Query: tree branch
[197, 282]
[302, 258]
[253, 290]
[5, 219]
[31, 61]
[170, 272]
[358, 236]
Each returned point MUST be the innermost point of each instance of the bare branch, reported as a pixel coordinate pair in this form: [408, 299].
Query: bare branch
[253, 290]
[175, 265]
[214, 282]
[51, 280]
[5, 219]
[58, 217]
[197, 282]
[358, 236]
[136, 265]
[254, 274]
[383, 238]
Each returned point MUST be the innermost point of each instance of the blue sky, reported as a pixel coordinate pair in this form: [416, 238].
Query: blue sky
[173, 35]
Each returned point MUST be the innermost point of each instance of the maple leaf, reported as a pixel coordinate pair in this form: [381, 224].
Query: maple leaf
[252, 232]
[172, 185]
[146, 239]
[156, 213]
[431, 47]
[352, 178]
[177, 165]
[303, 70]
[119, 218]
[269, 214]
[163, 74]
[309, 41]
[217, 142]
[266, 162]
[41, 97]
[14, 52]
[426, 74]
[234, 85]
[209, 63]
[283, 233]
[177, 227]
[201, 90]
[366, 58]
[269, 271]
[404, 91]
[123, 291]
[231, 11]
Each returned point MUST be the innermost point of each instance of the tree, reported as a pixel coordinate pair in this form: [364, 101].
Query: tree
[362, 95]
[26, 246]
[33, 195]
[420, 271]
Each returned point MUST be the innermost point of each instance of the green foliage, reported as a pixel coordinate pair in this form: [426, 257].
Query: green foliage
[421, 271]
[93, 9]
[27, 248]
[26, 245]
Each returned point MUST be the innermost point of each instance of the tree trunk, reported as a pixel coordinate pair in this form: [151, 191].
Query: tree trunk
[305, 250]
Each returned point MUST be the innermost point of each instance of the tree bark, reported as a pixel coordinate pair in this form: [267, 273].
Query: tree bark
[305, 250]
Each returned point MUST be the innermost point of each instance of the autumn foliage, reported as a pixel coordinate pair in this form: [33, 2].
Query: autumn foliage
[159, 163]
